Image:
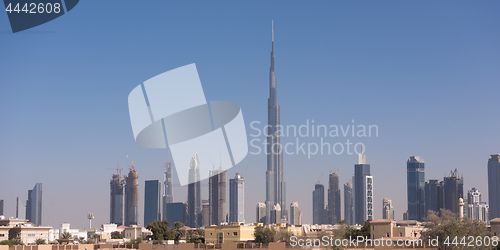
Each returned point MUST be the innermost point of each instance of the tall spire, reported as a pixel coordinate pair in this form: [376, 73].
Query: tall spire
[272, 28]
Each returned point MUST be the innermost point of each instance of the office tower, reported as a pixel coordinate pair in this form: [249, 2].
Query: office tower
[176, 212]
[405, 215]
[194, 193]
[17, 208]
[237, 199]
[434, 196]
[348, 204]
[261, 213]
[1, 207]
[275, 184]
[453, 190]
[476, 208]
[276, 214]
[363, 191]
[116, 199]
[205, 213]
[131, 198]
[217, 188]
[333, 199]
[152, 198]
[415, 180]
[295, 214]
[300, 217]
[494, 186]
[319, 204]
[387, 209]
[168, 188]
[34, 205]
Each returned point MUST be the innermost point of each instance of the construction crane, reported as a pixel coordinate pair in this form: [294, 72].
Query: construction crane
[118, 169]
[245, 172]
[320, 178]
[132, 166]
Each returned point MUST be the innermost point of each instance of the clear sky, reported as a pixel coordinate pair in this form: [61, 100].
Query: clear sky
[425, 72]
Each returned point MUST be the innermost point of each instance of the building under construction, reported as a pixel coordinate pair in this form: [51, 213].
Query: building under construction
[116, 199]
[217, 184]
[131, 197]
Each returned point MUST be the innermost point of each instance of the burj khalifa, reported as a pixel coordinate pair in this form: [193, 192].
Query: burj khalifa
[275, 185]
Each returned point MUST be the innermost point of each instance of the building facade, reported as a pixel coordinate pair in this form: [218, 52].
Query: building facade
[415, 180]
[295, 214]
[476, 208]
[237, 199]
[34, 205]
[194, 193]
[494, 186]
[152, 198]
[434, 196]
[131, 198]
[261, 213]
[363, 191]
[333, 199]
[319, 204]
[1, 207]
[175, 212]
[217, 189]
[387, 209]
[275, 184]
[453, 190]
[348, 204]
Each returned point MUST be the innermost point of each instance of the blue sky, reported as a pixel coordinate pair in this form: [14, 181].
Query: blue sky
[425, 72]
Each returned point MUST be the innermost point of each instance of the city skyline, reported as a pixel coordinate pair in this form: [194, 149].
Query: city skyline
[346, 62]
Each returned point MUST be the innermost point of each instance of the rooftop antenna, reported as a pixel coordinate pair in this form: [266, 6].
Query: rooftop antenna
[131, 167]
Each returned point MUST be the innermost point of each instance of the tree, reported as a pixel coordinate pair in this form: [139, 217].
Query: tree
[6, 242]
[264, 234]
[136, 241]
[116, 235]
[446, 225]
[354, 233]
[179, 232]
[17, 242]
[40, 242]
[161, 230]
[66, 235]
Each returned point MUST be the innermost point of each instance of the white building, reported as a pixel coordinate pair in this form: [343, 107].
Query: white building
[28, 233]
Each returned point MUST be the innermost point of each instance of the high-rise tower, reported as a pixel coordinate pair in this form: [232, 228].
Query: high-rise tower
[333, 199]
[168, 188]
[152, 198]
[34, 205]
[494, 185]
[319, 204]
[217, 190]
[348, 204]
[363, 191]
[131, 197]
[275, 184]
[194, 193]
[237, 199]
[116, 199]
[453, 191]
[415, 180]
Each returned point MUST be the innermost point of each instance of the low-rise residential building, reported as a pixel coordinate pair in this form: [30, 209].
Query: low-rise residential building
[27, 232]
[390, 229]
[235, 232]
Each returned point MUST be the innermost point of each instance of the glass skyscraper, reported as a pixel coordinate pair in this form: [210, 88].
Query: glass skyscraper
[494, 186]
[152, 197]
[453, 190]
[348, 204]
[237, 199]
[415, 173]
[434, 196]
[275, 184]
[194, 194]
[34, 205]
[319, 204]
[363, 191]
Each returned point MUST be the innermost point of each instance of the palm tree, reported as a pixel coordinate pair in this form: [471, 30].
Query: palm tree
[66, 235]
[40, 242]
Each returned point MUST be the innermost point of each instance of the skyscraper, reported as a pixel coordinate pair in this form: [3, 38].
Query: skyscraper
[295, 214]
[116, 199]
[217, 188]
[275, 184]
[319, 204]
[1, 207]
[348, 204]
[34, 205]
[194, 193]
[333, 199]
[152, 198]
[415, 173]
[205, 213]
[176, 212]
[237, 199]
[261, 213]
[17, 208]
[434, 196]
[168, 188]
[276, 214]
[387, 209]
[131, 197]
[453, 190]
[363, 191]
[494, 185]
[476, 208]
